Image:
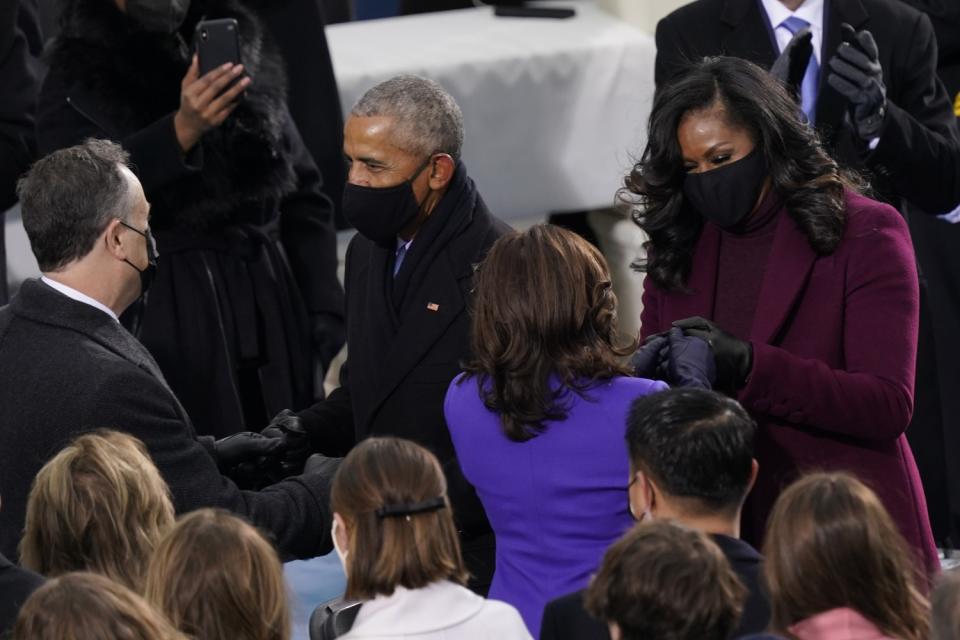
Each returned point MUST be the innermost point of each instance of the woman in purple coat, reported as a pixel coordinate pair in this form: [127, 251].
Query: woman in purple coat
[538, 420]
[805, 290]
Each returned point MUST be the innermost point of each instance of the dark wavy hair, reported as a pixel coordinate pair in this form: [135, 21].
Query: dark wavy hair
[809, 181]
[543, 313]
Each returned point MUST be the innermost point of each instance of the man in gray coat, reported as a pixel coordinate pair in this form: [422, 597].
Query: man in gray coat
[67, 365]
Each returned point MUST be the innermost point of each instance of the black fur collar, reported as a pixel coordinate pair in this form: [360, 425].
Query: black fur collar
[135, 78]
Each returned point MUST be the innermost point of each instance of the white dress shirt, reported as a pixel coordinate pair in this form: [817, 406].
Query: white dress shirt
[810, 11]
[73, 294]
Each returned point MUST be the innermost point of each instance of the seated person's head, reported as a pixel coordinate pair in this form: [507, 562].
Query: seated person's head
[665, 581]
[830, 544]
[691, 458]
[542, 305]
[99, 505]
[393, 526]
[945, 604]
[215, 577]
[87, 606]
[404, 130]
[87, 219]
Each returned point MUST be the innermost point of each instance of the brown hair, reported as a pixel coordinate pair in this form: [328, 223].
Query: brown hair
[830, 544]
[662, 580]
[390, 551]
[217, 578]
[99, 505]
[87, 606]
[945, 603]
[542, 306]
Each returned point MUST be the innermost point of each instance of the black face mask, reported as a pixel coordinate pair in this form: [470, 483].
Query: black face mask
[158, 16]
[380, 214]
[148, 274]
[726, 195]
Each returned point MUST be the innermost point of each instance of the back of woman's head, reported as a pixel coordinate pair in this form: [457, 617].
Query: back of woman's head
[392, 496]
[752, 100]
[542, 305]
[215, 577]
[99, 505]
[666, 581]
[87, 606]
[830, 544]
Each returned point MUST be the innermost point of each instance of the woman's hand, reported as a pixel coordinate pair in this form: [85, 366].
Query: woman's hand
[733, 357]
[204, 104]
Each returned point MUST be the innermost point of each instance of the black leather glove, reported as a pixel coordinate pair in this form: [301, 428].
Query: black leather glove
[319, 464]
[644, 362]
[244, 447]
[856, 74]
[296, 447]
[790, 67]
[732, 357]
[688, 362]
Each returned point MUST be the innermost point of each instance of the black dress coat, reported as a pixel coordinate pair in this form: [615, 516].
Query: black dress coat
[67, 368]
[407, 338]
[566, 619]
[247, 269]
[918, 157]
[16, 585]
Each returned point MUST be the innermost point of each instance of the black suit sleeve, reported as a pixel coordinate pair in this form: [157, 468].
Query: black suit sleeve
[18, 91]
[919, 148]
[295, 512]
[330, 421]
[308, 234]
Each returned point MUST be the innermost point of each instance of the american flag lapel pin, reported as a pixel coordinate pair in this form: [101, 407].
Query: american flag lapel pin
[433, 306]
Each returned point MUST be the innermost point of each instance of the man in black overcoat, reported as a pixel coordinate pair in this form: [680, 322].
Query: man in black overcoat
[422, 229]
[67, 366]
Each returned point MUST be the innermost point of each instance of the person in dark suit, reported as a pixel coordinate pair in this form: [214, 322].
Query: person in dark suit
[805, 290]
[691, 459]
[945, 17]
[422, 227]
[67, 366]
[16, 585]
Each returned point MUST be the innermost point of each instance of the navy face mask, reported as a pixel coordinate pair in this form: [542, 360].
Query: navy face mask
[147, 274]
[727, 195]
[381, 213]
[158, 16]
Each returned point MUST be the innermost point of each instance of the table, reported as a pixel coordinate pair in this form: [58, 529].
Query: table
[554, 110]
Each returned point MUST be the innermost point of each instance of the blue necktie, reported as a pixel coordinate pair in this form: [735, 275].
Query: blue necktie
[398, 259]
[811, 79]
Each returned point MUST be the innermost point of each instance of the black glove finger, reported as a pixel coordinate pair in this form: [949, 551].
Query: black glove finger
[844, 87]
[868, 45]
[850, 73]
[693, 322]
[265, 446]
[706, 336]
[654, 336]
[856, 58]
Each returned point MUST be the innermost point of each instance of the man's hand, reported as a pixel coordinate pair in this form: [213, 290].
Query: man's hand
[204, 102]
[733, 357]
[790, 67]
[244, 447]
[644, 362]
[856, 74]
[288, 428]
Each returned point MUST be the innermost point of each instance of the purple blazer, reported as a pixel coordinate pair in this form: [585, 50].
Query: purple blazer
[834, 352]
[555, 502]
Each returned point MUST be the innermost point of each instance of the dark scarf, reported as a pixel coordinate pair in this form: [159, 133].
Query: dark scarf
[137, 76]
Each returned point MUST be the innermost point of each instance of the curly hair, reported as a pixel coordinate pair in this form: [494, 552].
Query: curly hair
[543, 312]
[810, 182]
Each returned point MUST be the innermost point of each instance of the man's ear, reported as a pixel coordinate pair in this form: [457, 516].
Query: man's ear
[442, 169]
[113, 239]
[754, 470]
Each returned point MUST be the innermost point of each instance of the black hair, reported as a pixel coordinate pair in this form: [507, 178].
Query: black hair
[694, 444]
[800, 171]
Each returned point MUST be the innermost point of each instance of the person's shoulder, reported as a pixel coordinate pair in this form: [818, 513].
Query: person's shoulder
[866, 215]
[462, 398]
[891, 15]
[697, 11]
[502, 620]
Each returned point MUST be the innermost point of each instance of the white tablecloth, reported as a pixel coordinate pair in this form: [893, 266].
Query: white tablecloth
[554, 109]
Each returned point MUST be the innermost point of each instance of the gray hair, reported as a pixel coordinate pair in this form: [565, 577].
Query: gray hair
[428, 118]
[69, 197]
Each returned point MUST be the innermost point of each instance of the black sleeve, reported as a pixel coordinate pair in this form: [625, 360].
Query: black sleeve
[17, 105]
[330, 421]
[66, 119]
[308, 234]
[919, 148]
[549, 629]
[295, 512]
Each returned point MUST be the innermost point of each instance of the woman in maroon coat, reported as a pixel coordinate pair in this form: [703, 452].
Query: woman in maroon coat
[805, 291]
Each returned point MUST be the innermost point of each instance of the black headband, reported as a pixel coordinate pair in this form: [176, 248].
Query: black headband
[400, 510]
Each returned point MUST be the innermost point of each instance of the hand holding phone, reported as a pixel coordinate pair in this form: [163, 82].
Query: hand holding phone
[206, 101]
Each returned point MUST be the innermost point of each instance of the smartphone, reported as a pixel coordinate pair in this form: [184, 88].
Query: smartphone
[217, 42]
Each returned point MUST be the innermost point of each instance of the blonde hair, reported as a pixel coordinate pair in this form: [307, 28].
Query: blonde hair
[217, 578]
[385, 551]
[99, 505]
[830, 543]
[87, 606]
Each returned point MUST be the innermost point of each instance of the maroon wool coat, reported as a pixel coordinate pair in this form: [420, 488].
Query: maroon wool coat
[834, 352]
